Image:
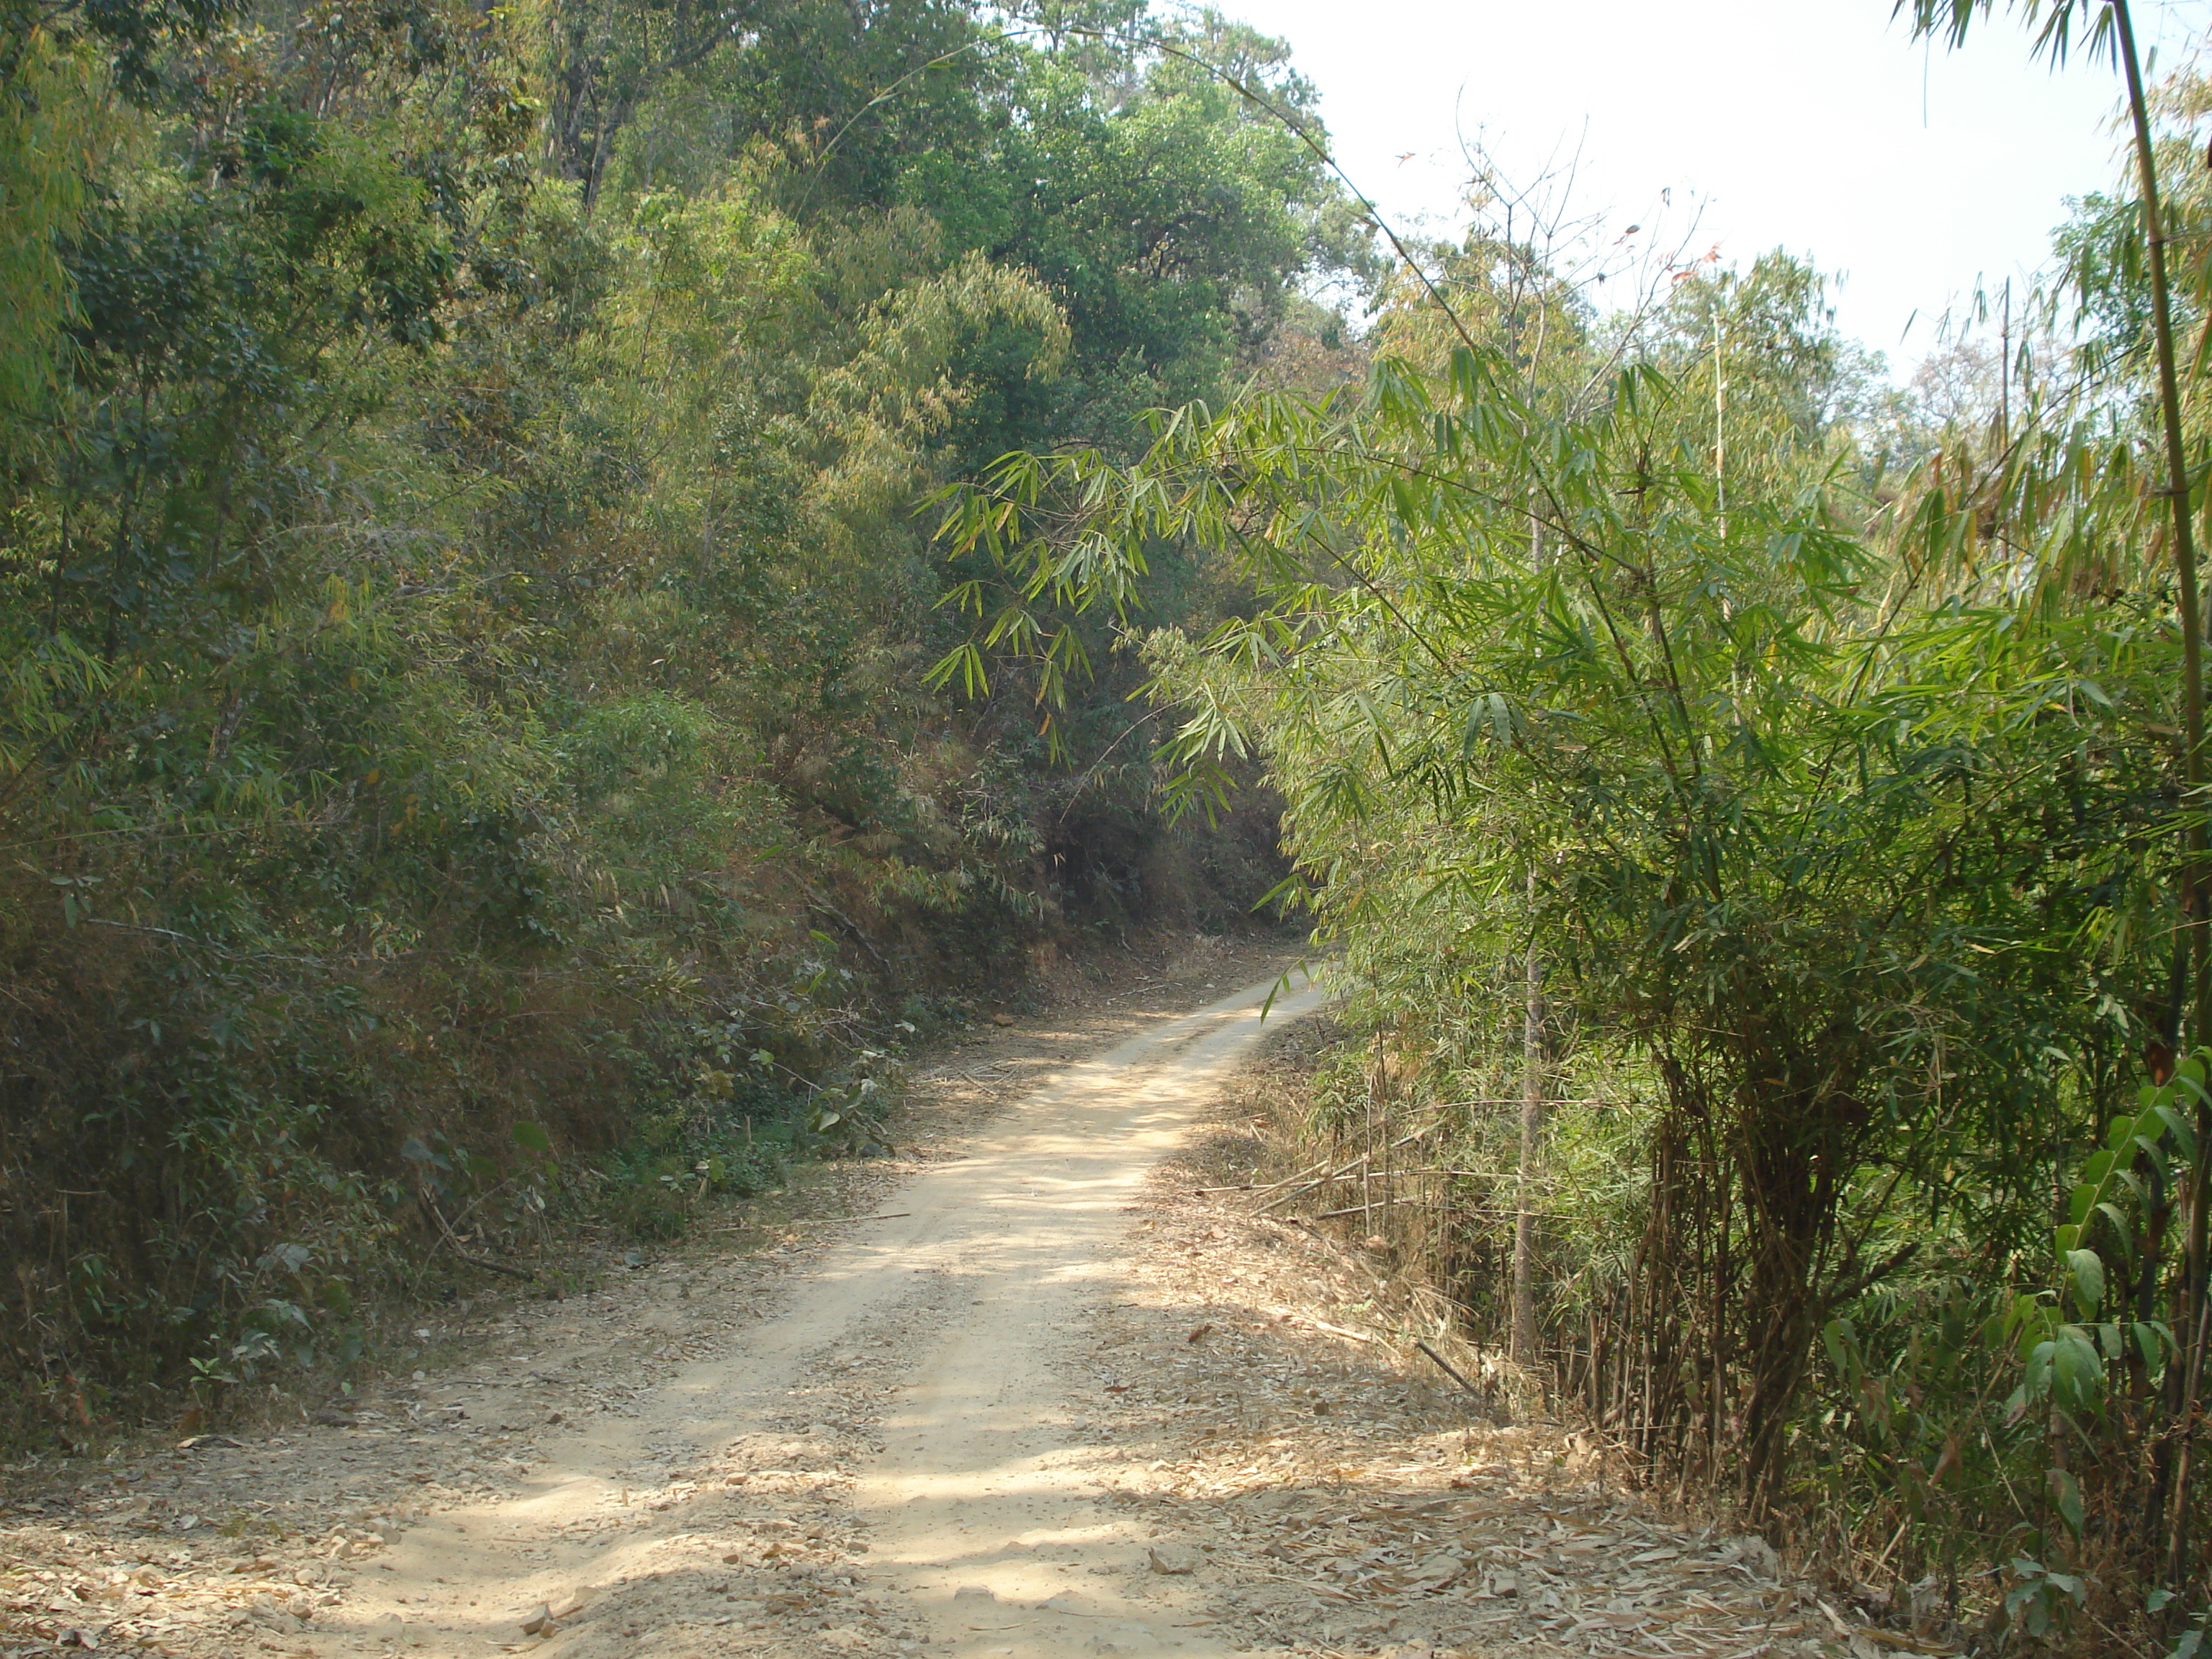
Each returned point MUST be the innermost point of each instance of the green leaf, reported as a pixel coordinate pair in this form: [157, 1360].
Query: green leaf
[2188, 1082]
[1833, 1338]
[2066, 1491]
[2123, 1229]
[533, 1139]
[2027, 1321]
[2153, 1341]
[2077, 1375]
[2086, 1270]
[2080, 1202]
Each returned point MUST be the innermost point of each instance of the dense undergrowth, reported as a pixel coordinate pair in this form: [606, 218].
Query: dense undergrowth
[462, 760]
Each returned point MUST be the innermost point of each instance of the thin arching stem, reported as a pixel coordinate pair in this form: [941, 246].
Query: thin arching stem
[2193, 732]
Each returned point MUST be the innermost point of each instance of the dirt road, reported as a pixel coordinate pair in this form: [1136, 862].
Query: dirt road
[1039, 1401]
[970, 1481]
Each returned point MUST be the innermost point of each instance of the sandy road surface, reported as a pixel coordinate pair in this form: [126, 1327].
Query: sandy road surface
[986, 1493]
[968, 1282]
[1041, 1401]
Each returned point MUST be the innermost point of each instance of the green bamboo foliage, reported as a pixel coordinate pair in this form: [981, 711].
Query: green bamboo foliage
[1848, 808]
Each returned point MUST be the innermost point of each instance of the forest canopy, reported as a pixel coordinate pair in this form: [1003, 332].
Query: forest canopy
[464, 741]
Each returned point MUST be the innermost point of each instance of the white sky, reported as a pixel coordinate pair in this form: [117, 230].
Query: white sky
[1792, 123]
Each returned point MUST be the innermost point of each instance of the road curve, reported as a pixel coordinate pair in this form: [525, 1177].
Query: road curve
[971, 1485]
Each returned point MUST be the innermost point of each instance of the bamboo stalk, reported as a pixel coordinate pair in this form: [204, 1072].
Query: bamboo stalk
[1523, 1336]
[1408, 1201]
[1342, 1170]
[2192, 719]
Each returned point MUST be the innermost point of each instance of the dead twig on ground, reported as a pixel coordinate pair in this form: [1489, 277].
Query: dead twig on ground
[454, 1243]
[1452, 1371]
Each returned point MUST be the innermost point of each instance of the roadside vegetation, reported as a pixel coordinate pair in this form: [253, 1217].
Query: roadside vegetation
[488, 734]
[1762, 816]
[463, 757]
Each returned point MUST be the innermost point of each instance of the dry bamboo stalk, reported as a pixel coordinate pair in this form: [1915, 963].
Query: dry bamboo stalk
[1342, 1170]
[1408, 1201]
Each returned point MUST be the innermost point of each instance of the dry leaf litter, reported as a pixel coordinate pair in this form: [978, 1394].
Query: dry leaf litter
[1284, 1476]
